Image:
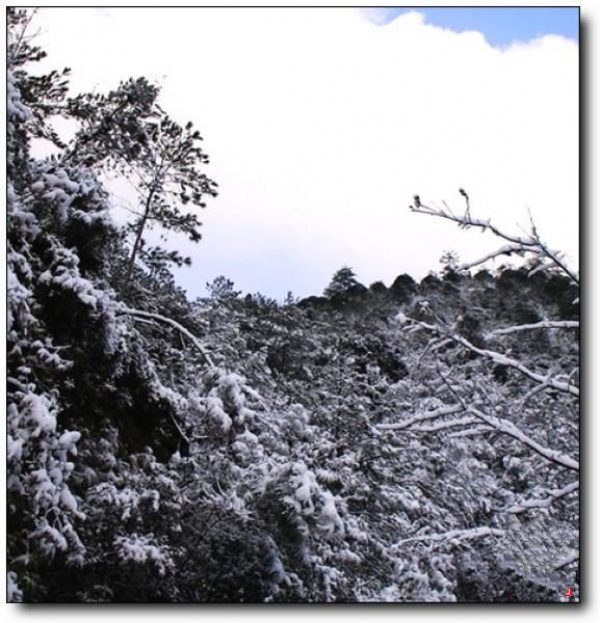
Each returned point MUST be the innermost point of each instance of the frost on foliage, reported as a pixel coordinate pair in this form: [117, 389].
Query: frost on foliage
[143, 549]
[295, 421]
[247, 448]
[64, 275]
[534, 550]
[424, 576]
[16, 110]
[57, 192]
[13, 593]
[22, 223]
[309, 500]
[215, 411]
[62, 194]
[38, 468]
[222, 398]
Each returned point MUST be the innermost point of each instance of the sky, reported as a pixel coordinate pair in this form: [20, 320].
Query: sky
[501, 26]
[321, 124]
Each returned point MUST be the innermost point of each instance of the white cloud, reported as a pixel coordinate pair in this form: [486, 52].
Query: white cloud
[321, 126]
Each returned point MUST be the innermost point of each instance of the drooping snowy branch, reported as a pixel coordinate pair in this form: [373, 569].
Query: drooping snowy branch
[421, 417]
[544, 324]
[553, 495]
[508, 428]
[139, 314]
[507, 249]
[500, 359]
[434, 428]
[492, 423]
[569, 560]
[472, 533]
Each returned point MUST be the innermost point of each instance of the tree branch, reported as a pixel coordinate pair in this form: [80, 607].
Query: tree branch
[553, 495]
[508, 428]
[428, 415]
[138, 313]
[544, 324]
[500, 359]
[569, 560]
[472, 533]
[531, 244]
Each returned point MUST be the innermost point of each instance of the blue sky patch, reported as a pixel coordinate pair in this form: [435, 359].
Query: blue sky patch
[501, 26]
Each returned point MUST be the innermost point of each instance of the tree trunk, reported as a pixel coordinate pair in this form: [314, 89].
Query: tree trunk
[138, 238]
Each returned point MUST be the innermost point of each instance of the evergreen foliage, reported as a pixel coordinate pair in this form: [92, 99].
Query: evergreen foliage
[417, 443]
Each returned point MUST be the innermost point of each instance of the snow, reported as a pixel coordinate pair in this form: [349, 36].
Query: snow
[141, 550]
[401, 318]
[427, 415]
[472, 533]
[68, 501]
[14, 105]
[544, 324]
[68, 440]
[39, 415]
[215, 411]
[546, 502]
[13, 593]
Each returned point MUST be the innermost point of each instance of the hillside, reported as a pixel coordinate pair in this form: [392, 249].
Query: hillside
[417, 442]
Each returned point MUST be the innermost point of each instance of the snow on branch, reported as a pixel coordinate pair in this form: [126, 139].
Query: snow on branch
[500, 359]
[520, 244]
[544, 324]
[434, 428]
[139, 314]
[428, 415]
[508, 428]
[471, 533]
[507, 249]
[553, 495]
[492, 423]
[569, 560]
[470, 432]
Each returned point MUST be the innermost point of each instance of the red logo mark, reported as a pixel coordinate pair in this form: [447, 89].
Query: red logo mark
[569, 593]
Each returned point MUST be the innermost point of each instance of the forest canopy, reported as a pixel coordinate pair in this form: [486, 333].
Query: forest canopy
[411, 443]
